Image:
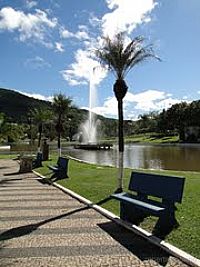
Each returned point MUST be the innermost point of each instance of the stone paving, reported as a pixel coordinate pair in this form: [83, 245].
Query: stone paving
[43, 226]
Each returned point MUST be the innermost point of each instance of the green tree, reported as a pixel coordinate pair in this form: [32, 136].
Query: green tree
[40, 116]
[2, 118]
[148, 122]
[61, 107]
[177, 117]
[11, 132]
[193, 113]
[120, 58]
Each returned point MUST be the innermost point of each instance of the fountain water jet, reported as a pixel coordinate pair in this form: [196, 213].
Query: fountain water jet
[89, 127]
[88, 130]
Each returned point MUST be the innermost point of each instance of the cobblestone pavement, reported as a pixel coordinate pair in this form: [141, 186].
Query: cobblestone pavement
[42, 226]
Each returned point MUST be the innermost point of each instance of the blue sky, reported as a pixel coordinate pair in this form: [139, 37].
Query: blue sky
[46, 48]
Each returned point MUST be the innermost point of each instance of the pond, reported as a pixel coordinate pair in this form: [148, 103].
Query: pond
[167, 157]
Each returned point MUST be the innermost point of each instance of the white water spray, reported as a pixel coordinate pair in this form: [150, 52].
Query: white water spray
[89, 128]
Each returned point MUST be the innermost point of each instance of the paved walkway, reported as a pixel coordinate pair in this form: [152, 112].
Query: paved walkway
[42, 226]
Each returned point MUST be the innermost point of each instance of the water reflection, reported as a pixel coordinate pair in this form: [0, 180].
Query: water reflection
[183, 157]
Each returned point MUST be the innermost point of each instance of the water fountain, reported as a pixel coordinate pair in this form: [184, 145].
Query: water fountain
[89, 127]
[88, 130]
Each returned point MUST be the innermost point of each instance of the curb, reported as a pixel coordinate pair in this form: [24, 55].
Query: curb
[170, 249]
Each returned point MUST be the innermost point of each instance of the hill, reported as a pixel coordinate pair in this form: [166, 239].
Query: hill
[16, 106]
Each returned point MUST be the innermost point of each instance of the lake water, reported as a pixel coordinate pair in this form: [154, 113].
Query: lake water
[167, 157]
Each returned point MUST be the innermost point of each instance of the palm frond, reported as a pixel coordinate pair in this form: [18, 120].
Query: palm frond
[120, 58]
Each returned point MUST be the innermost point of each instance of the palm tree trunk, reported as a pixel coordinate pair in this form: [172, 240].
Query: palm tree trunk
[39, 137]
[39, 141]
[120, 90]
[120, 125]
[59, 146]
[59, 126]
[121, 146]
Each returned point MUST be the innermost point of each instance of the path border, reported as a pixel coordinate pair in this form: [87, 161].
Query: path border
[170, 249]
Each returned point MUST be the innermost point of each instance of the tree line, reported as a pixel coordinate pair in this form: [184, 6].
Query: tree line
[170, 121]
[63, 120]
[60, 119]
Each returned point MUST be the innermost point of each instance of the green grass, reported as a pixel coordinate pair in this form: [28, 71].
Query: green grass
[149, 138]
[8, 156]
[97, 182]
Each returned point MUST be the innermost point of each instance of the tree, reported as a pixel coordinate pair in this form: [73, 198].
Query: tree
[177, 116]
[11, 131]
[61, 107]
[40, 116]
[120, 59]
[2, 118]
[148, 122]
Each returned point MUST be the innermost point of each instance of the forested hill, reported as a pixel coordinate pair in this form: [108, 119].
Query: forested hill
[16, 106]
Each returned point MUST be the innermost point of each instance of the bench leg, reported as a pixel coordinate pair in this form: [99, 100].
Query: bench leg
[58, 176]
[131, 214]
[165, 224]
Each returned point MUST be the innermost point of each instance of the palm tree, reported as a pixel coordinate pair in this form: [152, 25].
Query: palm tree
[120, 59]
[40, 116]
[61, 106]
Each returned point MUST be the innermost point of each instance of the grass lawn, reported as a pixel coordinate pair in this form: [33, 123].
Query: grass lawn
[97, 182]
[8, 156]
[151, 138]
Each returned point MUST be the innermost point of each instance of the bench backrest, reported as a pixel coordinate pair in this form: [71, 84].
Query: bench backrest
[39, 157]
[161, 186]
[62, 163]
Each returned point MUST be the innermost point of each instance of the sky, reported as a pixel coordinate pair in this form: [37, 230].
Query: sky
[46, 48]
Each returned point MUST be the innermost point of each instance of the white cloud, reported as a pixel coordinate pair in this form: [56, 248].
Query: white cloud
[94, 21]
[150, 100]
[126, 15]
[36, 96]
[81, 71]
[59, 47]
[64, 33]
[136, 104]
[83, 27]
[37, 63]
[29, 26]
[145, 100]
[109, 108]
[82, 34]
[30, 4]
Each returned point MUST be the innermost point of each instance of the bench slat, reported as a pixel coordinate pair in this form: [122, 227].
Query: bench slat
[53, 168]
[129, 198]
[162, 186]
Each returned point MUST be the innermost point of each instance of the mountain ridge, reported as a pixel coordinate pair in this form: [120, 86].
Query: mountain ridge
[16, 105]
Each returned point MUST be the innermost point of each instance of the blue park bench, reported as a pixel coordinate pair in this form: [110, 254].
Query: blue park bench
[60, 169]
[37, 162]
[165, 190]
